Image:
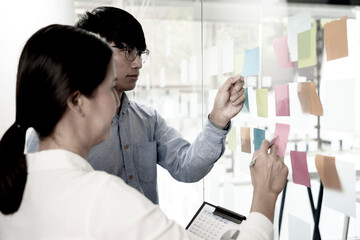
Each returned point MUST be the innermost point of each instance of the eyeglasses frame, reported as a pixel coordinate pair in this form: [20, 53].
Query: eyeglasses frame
[131, 57]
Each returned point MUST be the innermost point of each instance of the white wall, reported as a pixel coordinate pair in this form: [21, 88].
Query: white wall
[18, 21]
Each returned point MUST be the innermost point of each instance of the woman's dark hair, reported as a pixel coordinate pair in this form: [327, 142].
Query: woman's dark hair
[115, 25]
[56, 62]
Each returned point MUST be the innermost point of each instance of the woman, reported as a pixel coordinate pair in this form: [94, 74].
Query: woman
[65, 91]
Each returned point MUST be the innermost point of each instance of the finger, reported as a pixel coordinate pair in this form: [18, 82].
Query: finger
[239, 101]
[239, 85]
[274, 149]
[236, 95]
[264, 146]
[229, 83]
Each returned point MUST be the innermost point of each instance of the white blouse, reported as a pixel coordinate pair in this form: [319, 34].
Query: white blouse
[65, 198]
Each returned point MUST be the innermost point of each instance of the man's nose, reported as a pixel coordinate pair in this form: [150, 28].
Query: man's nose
[137, 63]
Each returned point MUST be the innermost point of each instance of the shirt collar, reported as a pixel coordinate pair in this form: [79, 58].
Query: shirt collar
[56, 159]
[124, 102]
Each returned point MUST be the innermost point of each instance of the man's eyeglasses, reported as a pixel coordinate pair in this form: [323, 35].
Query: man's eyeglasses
[132, 52]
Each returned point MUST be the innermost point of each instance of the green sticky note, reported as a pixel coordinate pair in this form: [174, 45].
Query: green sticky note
[262, 102]
[307, 48]
[231, 139]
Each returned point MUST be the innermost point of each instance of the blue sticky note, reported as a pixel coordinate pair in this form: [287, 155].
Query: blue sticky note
[259, 136]
[246, 108]
[251, 62]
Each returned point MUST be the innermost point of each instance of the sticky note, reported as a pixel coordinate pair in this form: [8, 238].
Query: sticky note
[343, 201]
[335, 39]
[297, 24]
[239, 62]
[246, 103]
[245, 139]
[262, 102]
[282, 103]
[300, 172]
[281, 50]
[231, 138]
[326, 168]
[307, 48]
[251, 62]
[259, 136]
[309, 99]
[282, 133]
[228, 56]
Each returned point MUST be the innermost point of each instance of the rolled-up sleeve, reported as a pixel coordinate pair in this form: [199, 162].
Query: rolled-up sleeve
[257, 227]
[189, 162]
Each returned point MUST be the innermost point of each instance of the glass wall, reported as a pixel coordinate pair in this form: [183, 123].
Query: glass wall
[196, 45]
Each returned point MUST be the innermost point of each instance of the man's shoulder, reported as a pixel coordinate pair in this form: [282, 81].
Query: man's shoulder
[142, 107]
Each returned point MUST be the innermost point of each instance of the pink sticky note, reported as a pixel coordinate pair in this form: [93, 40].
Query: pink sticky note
[300, 172]
[282, 132]
[282, 100]
[282, 52]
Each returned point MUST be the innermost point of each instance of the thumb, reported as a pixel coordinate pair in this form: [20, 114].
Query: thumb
[231, 81]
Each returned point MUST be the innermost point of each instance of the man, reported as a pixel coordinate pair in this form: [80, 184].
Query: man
[140, 137]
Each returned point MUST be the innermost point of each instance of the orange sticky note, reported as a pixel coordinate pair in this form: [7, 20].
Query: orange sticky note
[335, 38]
[326, 168]
[245, 139]
[309, 99]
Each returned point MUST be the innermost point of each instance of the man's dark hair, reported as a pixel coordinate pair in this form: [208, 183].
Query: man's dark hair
[115, 25]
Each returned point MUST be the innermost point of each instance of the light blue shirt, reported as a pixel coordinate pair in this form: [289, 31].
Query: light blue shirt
[140, 139]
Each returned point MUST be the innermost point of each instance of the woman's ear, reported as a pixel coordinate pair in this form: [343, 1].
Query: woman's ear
[75, 102]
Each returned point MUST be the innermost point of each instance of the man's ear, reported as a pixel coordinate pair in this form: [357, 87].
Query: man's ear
[75, 102]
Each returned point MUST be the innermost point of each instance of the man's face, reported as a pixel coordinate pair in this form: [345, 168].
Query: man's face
[127, 71]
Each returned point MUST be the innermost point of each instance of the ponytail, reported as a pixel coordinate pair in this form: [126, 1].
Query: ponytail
[13, 169]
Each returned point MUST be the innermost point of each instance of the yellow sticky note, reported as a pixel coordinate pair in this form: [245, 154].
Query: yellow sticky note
[231, 139]
[262, 102]
[307, 48]
[239, 62]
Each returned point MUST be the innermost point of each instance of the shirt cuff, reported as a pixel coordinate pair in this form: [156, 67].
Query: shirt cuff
[218, 126]
[259, 223]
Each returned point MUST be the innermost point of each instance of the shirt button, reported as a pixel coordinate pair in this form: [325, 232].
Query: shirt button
[126, 146]
[131, 176]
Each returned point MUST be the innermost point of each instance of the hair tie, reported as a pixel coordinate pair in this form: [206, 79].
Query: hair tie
[19, 126]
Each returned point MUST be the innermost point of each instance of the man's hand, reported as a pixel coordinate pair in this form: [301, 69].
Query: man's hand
[229, 101]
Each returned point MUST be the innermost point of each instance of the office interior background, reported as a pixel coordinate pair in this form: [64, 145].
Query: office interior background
[195, 45]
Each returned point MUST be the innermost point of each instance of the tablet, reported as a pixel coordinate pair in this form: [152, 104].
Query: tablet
[214, 222]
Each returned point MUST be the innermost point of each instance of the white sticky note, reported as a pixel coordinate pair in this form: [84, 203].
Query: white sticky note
[345, 200]
[228, 56]
[340, 107]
